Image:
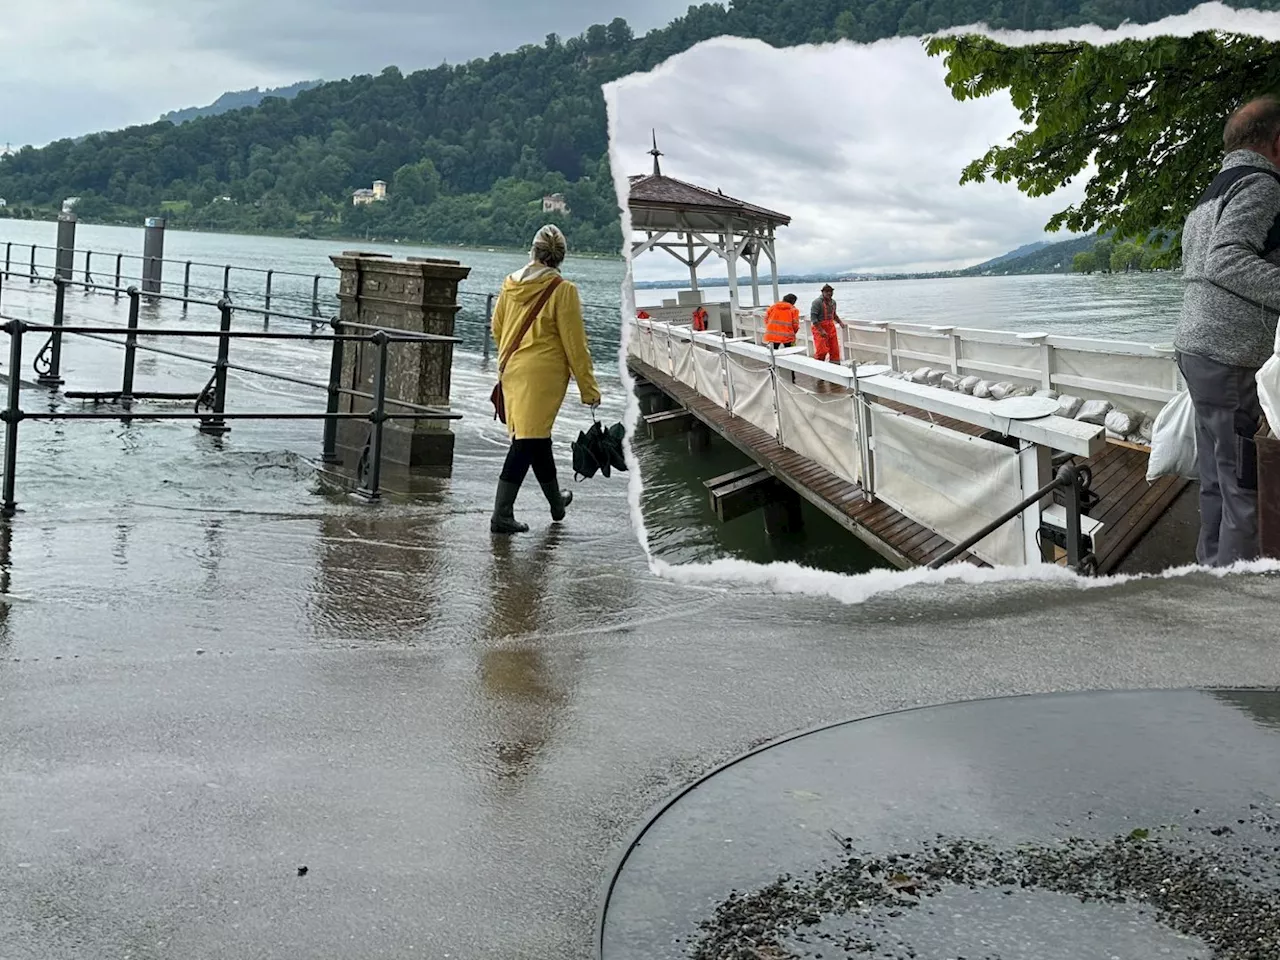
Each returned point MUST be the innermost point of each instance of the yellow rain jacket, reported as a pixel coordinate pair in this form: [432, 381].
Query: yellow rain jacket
[537, 375]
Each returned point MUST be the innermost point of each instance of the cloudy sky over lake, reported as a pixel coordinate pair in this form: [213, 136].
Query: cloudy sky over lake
[72, 67]
[863, 146]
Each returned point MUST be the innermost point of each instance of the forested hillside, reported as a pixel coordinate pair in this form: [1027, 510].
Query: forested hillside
[237, 99]
[468, 151]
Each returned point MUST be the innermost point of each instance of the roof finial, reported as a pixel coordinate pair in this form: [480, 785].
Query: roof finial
[655, 153]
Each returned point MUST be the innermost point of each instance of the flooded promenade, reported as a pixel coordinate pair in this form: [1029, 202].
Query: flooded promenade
[216, 671]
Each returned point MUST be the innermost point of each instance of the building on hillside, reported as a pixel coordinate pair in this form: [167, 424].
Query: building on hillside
[365, 195]
[554, 203]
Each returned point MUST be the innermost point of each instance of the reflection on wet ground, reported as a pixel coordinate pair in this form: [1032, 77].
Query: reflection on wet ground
[214, 670]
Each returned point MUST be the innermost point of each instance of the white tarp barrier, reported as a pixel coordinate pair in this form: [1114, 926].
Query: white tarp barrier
[682, 367]
[710, 374]
[948, 481]
[662, 350]
[820, 428]
[753, 395]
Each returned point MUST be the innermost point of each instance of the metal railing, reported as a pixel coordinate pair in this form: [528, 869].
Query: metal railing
[210, 402]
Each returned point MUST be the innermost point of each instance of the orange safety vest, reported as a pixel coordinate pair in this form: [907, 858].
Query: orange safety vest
[781, 323]
[699, 319]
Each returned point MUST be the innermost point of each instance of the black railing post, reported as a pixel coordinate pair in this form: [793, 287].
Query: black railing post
[266, 308]
[377, 417]
[52, 376]
[488, 323]
[186, 286]
[115, 295]
[130, 346]
[12, 416]
[315, 296]
[216, 424]
[226, 281]
[329, 450]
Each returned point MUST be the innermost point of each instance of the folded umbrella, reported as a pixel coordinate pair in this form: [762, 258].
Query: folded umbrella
[598, 451]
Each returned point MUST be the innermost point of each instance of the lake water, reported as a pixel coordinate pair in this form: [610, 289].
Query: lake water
[680, 523]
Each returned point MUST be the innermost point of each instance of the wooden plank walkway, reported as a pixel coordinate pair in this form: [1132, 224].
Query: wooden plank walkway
[1127, 504]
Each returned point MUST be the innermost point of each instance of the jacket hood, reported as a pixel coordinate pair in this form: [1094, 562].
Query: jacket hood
[526, 284]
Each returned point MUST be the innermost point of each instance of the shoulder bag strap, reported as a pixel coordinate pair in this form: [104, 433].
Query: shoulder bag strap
[528, 322]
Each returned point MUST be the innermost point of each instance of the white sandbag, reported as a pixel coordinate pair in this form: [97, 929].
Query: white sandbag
[919, 375]
[1121, 422]
[949, 381]
[1173, 441]
[1050, 394]
[1069, 406]
[1094, 411]
[1001, 390]
[982, 390]
[967, 384]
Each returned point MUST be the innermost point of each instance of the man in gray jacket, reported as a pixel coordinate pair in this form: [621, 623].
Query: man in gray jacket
[1231, 263]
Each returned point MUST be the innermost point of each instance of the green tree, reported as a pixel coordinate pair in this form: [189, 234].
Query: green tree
[1148, 113]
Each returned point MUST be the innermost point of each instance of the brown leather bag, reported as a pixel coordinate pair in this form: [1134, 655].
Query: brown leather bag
[496, 397]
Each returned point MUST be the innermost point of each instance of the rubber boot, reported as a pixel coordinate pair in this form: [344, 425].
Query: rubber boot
[559, 499]
[504, 516]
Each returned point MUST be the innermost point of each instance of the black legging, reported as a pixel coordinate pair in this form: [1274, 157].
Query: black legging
[524, 454]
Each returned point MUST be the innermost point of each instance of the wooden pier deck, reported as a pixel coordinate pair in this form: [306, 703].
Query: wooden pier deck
[1128, 506]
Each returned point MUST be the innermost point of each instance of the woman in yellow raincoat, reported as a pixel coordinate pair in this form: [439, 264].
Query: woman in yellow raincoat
[536, 376]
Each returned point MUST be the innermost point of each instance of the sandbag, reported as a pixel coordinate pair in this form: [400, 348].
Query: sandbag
[1173, 441]
[1069, 406]
[1121, 422]
[982, 390]
[1094, 411]
[919, 375]
[1001, 390]
[967, 384]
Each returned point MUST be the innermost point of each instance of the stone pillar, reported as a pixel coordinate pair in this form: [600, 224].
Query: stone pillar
[418, 295]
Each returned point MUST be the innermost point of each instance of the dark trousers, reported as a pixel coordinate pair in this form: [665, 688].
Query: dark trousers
[524, 454]
[1227, 417]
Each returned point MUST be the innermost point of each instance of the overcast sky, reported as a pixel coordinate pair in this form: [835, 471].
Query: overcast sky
[862, 146]
[78, 66]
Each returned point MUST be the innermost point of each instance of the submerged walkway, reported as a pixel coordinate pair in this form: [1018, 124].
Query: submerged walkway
[1128, 506]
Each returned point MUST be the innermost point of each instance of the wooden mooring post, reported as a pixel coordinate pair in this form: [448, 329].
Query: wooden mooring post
[1268, 492]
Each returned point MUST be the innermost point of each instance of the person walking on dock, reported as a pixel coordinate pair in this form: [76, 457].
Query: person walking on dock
[822, 320]
[1231, 262]
[782, 323]
[537, 325]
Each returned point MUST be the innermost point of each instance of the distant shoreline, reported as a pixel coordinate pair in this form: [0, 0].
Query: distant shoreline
[336, 238]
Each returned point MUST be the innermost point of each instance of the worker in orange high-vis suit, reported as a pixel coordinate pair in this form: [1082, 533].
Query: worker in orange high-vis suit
[822, 320]
[699, 319]
[782, 323]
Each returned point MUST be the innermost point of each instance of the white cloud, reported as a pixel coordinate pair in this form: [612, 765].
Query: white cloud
[862, 145]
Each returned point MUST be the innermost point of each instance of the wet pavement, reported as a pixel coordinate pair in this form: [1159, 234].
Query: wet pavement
[1078, 826]
[214, 672]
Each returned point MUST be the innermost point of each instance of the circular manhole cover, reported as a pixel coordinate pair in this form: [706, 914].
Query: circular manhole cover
[1076, 826]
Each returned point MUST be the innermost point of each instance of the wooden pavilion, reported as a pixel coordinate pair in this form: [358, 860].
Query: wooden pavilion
[691, 223]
